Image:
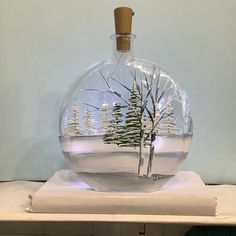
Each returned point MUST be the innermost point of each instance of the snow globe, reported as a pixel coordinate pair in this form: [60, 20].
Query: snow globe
[125, 125]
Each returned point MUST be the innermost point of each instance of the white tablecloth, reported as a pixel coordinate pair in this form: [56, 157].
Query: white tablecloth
[184, 194]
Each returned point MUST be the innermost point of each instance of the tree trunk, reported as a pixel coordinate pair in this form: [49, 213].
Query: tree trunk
[151, 154]
[140, 161]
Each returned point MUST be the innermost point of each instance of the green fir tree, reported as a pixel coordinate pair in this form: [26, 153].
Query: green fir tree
[115, 128]
[132, 127]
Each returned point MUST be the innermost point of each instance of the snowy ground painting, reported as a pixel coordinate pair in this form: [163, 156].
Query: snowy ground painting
[89, 156]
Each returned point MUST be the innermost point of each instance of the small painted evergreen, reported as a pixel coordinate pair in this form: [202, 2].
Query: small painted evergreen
[104, 116]
[168, 125]
[88, 122]
[73, 123]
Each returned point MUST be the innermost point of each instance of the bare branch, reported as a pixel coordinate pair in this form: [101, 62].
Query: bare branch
[150, 94]
[99, 90]
[153, 128]
[105, 80]
[133, 75]
[124, 86]
[157, 86]
[87, 104]
[117, 64]
[159, 99]
[150, 114]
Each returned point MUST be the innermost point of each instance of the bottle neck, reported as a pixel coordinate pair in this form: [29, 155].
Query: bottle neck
[122, 47]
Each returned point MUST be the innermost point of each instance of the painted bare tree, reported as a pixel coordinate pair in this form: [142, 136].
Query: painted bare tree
[143, 116]
[150, 97]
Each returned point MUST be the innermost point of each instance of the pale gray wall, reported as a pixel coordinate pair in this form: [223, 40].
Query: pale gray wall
[46, 44]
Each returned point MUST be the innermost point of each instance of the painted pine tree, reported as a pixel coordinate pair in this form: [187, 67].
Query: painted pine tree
[73, 123]
[168, 125]
[115, 128]
[131, 129]
[88, 122]
[104, 116]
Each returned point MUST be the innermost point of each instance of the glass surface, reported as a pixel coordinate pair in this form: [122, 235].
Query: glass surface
[126, 125]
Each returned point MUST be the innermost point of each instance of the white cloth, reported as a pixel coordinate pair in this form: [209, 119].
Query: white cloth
[184, 194]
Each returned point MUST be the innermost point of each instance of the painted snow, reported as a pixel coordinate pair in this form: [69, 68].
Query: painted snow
[90, 154]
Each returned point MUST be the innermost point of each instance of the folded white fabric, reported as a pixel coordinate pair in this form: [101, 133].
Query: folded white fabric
[184, 194]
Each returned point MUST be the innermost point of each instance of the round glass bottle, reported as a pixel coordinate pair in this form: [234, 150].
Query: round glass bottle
[125, 125]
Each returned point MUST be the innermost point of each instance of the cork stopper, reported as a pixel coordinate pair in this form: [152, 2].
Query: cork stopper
[123, 25]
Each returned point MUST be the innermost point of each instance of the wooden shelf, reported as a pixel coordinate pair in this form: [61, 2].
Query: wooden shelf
[14, 200]
[186, 220]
